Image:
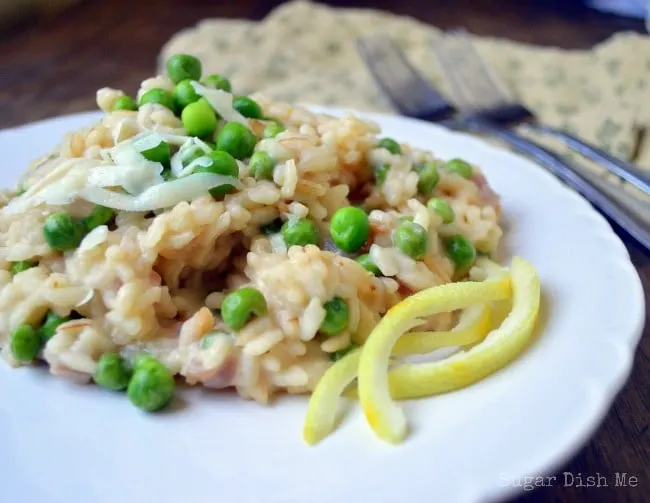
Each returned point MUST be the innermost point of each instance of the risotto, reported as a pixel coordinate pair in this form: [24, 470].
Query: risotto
[232, 242]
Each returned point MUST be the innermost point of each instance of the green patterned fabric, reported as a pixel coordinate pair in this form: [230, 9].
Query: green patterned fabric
[305, 52]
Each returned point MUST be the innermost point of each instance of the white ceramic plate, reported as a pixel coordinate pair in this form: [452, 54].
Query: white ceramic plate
[66, 443]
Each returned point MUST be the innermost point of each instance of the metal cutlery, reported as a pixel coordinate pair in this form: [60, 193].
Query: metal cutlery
[477, 90]
[403, 85]
[416, 97]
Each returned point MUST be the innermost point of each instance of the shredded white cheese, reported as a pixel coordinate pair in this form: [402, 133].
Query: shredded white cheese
[160, 196]
[142, 180]
[221, 101]
[202, 162]
[177, 158]
[94, 238]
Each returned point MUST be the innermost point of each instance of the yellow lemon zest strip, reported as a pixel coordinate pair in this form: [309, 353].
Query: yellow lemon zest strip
[386, 419]
[323, 404]
[499, 348]
[472, 327]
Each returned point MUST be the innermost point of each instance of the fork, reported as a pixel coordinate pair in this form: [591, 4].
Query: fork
[403, 85]
[478, 91]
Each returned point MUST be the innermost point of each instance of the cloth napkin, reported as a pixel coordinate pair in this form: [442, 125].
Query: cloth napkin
[305, 52]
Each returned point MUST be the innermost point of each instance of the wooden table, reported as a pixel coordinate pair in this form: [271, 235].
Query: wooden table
[53, 66]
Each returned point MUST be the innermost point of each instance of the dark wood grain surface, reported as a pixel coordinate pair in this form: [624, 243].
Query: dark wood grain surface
[53, 66]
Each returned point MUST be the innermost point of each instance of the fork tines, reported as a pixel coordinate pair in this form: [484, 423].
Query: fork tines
[474, 85]
[401, 83]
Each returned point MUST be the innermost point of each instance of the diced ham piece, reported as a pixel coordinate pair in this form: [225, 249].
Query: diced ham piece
[487, 196]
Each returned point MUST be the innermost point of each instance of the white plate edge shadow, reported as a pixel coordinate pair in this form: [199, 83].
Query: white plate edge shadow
[610, 387]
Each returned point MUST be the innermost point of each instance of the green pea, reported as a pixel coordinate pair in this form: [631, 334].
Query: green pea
[442, 208]
[247, 107]
[337, 355]
[62, 232]
[51, 323]
[461, 252]
[380, 172]
[222, 164]
[216, 81]
[100, 215]
[299, 232]
[184, 94]
[159, 97]
[152, 386]
[24, 343]
[239, 306]
[160, 153]
[124, 103]
[112, 372]
[460, 167]
[199, 119]
[368, 264]
[261, 165]
[141, 359]
[349, 228]
[272, 227]
[337, 317]
[412, 239]
[428, 179]
[391, 145]
[22, 265]
[237, 140]
[272, 130]
[182, 67]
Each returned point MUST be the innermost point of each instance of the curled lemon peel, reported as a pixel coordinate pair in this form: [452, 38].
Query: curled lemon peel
[500, 347]
[385, 418]
[323, 404]
[520, 286]
[473, 325]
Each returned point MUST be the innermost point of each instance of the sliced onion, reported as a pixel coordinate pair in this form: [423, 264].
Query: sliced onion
[221, 101]
[164, 195]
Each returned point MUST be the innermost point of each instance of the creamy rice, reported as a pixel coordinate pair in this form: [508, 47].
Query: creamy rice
[155, 281]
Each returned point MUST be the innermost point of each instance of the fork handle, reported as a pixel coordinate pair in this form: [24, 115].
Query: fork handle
[619, 167]
[631, 222]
